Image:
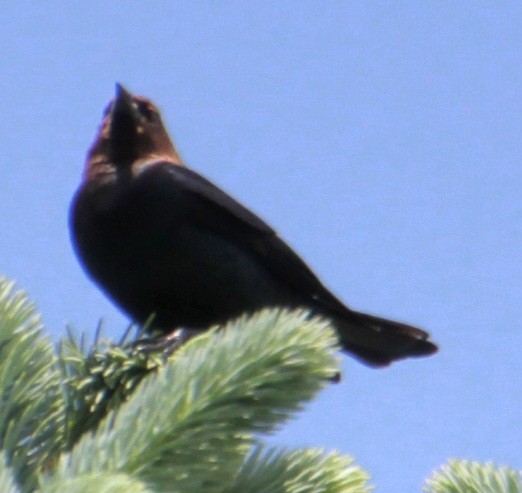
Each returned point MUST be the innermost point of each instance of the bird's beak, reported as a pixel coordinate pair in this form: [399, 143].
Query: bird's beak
[121, 92]
[124, 114]
[124, 104]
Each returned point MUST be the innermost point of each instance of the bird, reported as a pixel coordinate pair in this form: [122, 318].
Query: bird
[161, 240]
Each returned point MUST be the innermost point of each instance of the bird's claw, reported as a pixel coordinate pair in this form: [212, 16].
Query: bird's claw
[166, 344]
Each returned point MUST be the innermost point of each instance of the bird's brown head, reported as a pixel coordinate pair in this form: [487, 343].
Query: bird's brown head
[131, 132]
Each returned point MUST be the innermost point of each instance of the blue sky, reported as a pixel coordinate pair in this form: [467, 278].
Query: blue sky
[381, 139]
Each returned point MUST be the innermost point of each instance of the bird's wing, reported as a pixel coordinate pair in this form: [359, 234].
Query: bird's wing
[216, 211]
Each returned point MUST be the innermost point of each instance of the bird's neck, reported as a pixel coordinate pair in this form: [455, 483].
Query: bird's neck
[102, 171]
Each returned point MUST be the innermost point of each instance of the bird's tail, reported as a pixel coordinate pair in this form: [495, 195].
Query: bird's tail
[378, 342]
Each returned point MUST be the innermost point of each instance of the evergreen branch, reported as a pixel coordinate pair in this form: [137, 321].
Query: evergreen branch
[7, 477]
[32, 424]
[188, 427]
[299, 471]
[99, 483]
[473, 477]
[100, 381]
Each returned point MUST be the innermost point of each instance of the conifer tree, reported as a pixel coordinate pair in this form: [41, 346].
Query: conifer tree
[111, 418]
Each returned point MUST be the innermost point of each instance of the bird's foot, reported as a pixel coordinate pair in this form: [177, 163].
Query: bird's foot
[166, 344]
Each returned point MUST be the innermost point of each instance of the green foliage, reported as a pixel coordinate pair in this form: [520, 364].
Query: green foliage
[99, 381]
[474, 477]
[32, 412]
[118, 419]
[7, 477]
[191, 423]
[97, 483]
[300, 471]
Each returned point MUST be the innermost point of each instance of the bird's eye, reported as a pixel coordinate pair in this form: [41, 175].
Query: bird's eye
[147, 112]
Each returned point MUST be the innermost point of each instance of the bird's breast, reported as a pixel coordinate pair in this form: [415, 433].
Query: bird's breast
[152, 257]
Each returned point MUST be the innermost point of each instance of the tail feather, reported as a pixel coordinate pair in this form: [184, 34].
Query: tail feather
[378, 342]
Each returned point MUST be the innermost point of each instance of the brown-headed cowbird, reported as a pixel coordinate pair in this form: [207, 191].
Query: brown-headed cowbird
[160, 239]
